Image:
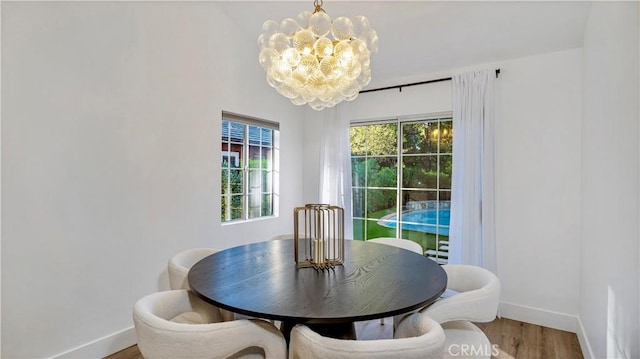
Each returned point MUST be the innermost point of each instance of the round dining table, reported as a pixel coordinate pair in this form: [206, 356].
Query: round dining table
[261, 280]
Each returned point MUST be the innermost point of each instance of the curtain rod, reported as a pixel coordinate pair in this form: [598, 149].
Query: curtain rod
[416, 83]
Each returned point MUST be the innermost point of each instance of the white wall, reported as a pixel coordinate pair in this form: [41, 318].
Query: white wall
[110, 151]
[609, 284]
[537, 176]
[538, 187]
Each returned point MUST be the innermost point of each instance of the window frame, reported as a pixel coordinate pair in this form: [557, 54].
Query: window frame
[244, 167]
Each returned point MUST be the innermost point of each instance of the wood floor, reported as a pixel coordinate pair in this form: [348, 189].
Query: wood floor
[515, 340]
[523, 340]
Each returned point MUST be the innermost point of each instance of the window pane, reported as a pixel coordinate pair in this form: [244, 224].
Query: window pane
[359, 230]
[225, 130]
[358, 172]
[414, 138]
[235, 181]
[255, 203]
[267, 137]
[236, 207]
[418, 138]
[357, 197]
[375, 229]
[445, 171]
[236, 132]
[382, 172]
[225, 181]
[433, 130]
[223, 210]
[382, 139]
[388, 224]
[446, 136]
[444, 205]
[254, 157]
[416, 200]
[426, 240]
[420, 171]
[237, 156]
[255, 181]
[225, 155]
[444, 218]
[380, 202]
[421, 211]
[266, 156]
[254, 135]
[358, 136]
[267, 207]
[266, 181]
[232, 154]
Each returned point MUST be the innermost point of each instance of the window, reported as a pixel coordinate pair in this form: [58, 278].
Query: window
[401, 185]
[249, 166]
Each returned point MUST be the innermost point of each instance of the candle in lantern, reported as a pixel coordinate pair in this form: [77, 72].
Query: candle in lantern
[317, 250]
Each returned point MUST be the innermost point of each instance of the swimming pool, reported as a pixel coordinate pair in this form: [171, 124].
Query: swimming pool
[421, 221]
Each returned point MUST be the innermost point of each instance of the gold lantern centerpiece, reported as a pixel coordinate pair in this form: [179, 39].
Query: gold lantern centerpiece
[318, 236]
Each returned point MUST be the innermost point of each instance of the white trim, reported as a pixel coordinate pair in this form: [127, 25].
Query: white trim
[404, 118]
[550, 319]
[587, 353]
[239, 221]
[250, 120]
[537, 316]
[102, 347]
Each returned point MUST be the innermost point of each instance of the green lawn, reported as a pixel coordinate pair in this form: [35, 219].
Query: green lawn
[374, 230]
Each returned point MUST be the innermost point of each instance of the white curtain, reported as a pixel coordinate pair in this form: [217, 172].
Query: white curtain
[472, 227]
[335, 164]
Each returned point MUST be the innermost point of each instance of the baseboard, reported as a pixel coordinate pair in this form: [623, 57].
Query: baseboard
[537, 316]
[587, 353]
[102, 347]
[549, 319]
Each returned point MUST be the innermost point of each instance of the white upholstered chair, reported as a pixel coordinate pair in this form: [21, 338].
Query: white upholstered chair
[400, 243]
[475, 298]
[417, 337]
[177, 324]
[179, 266]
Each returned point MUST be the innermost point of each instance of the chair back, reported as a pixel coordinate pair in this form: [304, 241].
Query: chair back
[476, 297]
[179, 265]
[162, 332]
[400, 243]
[418, 338]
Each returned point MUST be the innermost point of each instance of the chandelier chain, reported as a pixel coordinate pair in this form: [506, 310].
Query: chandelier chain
[318, 5]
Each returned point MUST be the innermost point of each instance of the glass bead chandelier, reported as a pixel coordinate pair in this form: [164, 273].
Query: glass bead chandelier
[313, 60]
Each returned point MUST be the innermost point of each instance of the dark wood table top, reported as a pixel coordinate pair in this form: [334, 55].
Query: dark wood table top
[261, 280]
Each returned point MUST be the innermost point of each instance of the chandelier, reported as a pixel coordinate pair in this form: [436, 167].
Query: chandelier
[313, 60]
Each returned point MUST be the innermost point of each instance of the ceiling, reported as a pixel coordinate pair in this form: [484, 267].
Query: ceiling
[418, 38]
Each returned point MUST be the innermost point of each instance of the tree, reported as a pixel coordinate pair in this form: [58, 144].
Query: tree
[374, 140]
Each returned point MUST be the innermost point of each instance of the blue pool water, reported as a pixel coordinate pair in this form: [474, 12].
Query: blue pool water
[421, 221]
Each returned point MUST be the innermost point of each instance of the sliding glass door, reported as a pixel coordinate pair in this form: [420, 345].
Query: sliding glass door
[402, 181]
